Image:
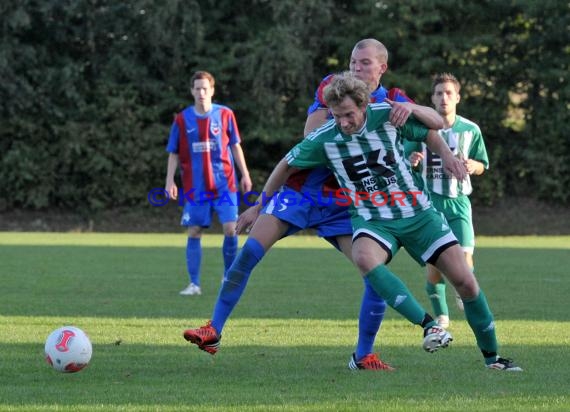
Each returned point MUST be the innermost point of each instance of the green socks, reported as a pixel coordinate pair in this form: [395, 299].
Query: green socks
[480, 319]
[436, 294]
[396, 294]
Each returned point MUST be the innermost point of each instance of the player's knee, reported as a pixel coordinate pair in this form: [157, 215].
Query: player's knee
[467, 286]
[364, 261]
[194, 231]
[229, 229]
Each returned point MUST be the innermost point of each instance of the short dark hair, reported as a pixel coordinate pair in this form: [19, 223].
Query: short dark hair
[343, 85]
[444, 78]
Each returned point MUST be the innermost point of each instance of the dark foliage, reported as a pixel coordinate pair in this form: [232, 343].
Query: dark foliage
[89, 87]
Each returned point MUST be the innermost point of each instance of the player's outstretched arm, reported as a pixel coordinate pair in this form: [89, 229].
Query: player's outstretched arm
[427, 115]
[276, 179]
[246, 219]
[402, 110]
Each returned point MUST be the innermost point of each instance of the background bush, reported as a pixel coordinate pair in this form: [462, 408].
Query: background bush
[89, 87]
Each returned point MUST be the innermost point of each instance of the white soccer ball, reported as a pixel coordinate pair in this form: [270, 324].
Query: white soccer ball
[68, 349]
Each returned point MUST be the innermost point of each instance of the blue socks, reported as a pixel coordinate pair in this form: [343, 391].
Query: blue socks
[194, 259]
[371, 315]
[229, 250]
[194, 256]
[235, 282]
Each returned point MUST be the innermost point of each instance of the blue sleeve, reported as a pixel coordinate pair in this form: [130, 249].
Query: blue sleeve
[319, 102]
[173, 139]
[233, 129]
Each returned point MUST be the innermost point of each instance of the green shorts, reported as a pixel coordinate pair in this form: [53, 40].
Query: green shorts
[457, 211]
[425, 236]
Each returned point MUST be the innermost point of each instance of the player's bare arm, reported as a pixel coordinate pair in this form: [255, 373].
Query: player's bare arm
[401, 111]
[427, 115]
[170, 186]
[315, 119]
[277, 179]
[239, 158]
[250, 215]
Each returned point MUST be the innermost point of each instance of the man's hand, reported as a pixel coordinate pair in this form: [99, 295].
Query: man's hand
[399, 113]
[474, 167]
[415, 158]
[172, 190]
[247, 219]
[245, 184]
[454, 167]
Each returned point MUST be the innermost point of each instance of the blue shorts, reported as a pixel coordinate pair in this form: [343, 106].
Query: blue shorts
[200, 213]
[300, 212]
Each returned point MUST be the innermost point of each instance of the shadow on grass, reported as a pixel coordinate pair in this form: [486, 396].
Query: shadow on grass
[76, 281]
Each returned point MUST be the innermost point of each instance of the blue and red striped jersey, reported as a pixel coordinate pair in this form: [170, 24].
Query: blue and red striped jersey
[377, 96]
[203, 143]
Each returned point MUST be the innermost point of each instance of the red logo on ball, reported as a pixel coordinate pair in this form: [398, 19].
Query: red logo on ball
[64, 340]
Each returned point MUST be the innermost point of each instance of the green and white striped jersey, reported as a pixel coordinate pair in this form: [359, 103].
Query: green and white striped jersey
[370, 166]
[465, 140]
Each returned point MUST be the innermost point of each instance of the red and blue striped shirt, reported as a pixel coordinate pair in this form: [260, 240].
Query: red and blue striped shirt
[203, 144]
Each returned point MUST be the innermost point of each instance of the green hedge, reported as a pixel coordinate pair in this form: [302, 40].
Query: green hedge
[89, 88]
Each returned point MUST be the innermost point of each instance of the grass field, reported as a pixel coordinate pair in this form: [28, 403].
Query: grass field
[288, 342]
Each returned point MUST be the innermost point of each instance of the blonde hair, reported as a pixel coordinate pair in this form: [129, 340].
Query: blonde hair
[346, 85]
[381, 50]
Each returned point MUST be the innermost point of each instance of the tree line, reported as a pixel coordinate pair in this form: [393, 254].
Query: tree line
[89, 87]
